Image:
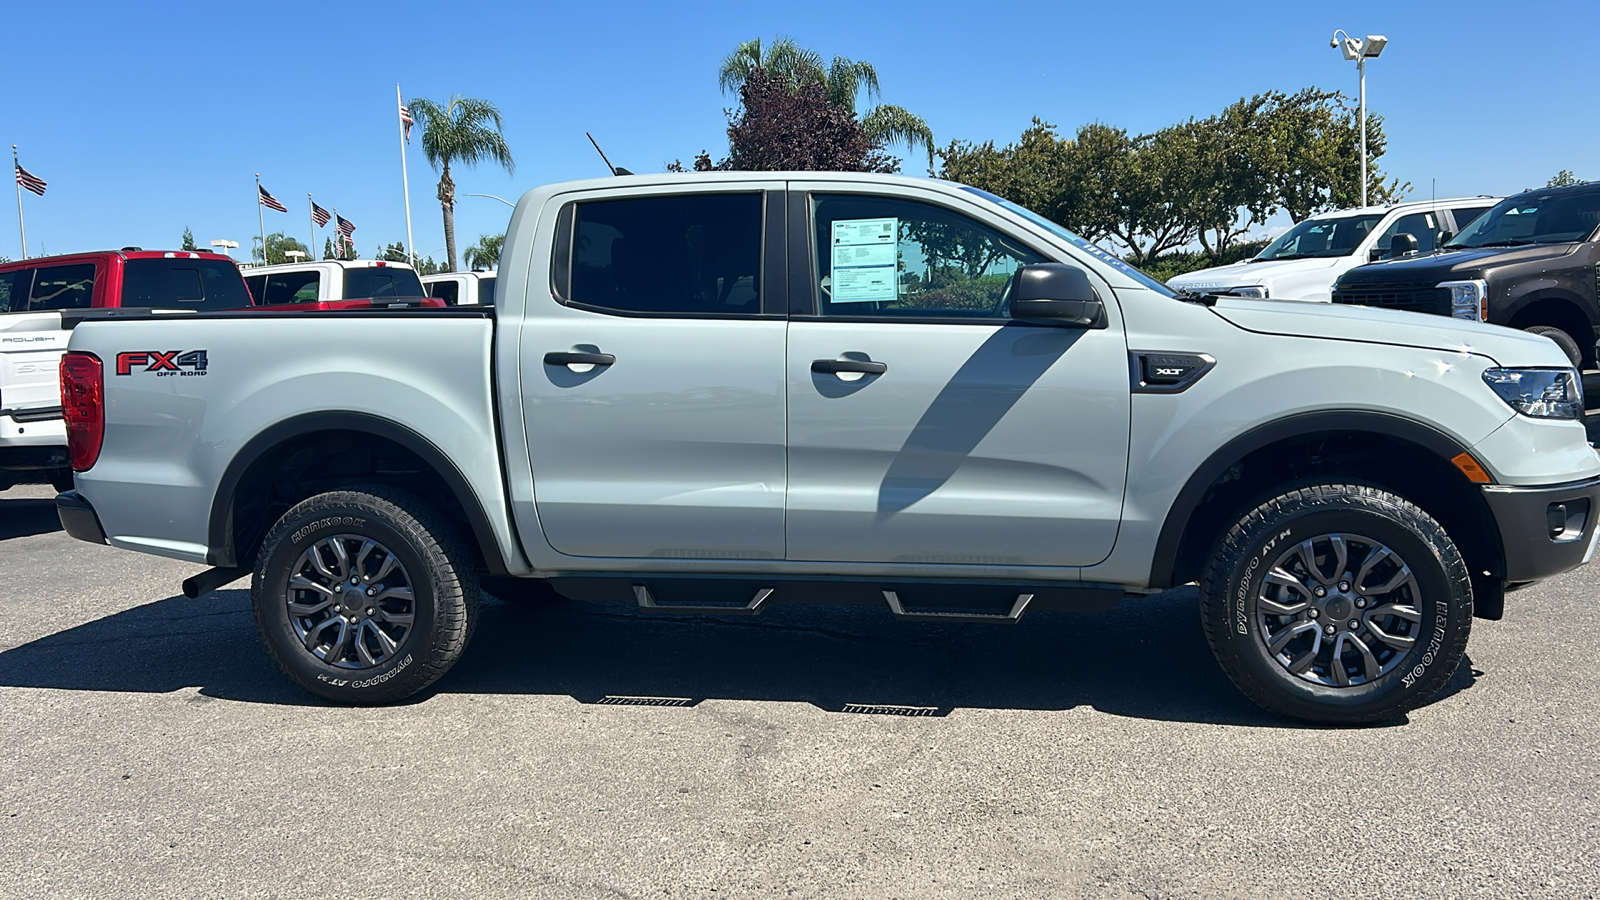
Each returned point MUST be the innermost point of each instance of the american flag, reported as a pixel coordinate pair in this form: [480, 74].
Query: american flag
[405, 116]
[269, 201]
[319, 215]
[30, 181]
[346, 229]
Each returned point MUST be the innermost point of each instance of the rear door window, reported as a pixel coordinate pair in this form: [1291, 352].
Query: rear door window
[385, 283]
[183, 283]
[1465, 215]
[1424, 226]
[448, 291]
[62, 287]
[14, 290]
[290, 287]
[486, 291]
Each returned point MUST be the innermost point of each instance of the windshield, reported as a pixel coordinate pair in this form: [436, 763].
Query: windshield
[1321, 238]
[1533, 219]
[1105, 257]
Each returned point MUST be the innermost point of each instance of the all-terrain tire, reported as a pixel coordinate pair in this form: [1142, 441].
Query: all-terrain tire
[1257, 553]
[436, 567]
[1567, 343]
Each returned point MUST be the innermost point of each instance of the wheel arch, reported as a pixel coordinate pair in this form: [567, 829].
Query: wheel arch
[1557, 309]
[227, 531]
[1402, 455]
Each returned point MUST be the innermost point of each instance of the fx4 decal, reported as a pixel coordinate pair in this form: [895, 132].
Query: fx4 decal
[162, 362]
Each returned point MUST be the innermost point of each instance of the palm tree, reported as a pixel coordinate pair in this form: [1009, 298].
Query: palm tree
[459, 131]
[485, 254]
[845, 78]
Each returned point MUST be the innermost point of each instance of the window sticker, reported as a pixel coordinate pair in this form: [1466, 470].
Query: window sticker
[864, 263]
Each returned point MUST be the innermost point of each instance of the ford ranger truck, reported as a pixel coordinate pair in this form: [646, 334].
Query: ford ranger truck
[34, 296]
[710, 393]
[1532, 262]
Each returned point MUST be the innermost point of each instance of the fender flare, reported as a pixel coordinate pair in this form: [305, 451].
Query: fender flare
[1165, 560]
[219, 531]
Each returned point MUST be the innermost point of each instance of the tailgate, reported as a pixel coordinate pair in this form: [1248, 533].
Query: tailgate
[31, 345]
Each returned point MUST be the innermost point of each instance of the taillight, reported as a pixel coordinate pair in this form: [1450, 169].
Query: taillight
[83, 405]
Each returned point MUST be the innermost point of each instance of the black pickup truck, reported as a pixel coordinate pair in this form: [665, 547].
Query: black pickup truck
[1529, 263]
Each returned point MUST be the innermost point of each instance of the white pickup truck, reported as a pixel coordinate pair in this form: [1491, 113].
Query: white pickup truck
[709, 393]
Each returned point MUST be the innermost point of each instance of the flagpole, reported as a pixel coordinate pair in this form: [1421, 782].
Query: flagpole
[405, 180]
[338, 246]
[262, 220]
[311, 248]
[21, 225]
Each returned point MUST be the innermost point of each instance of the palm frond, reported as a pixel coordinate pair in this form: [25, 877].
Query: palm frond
[465, 129]
[897, 125]
[846, 80]
[737, 66]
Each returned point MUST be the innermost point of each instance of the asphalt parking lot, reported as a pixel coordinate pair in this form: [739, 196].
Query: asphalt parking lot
[149, 748]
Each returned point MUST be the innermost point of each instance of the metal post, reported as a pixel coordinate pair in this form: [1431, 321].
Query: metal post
[21, 225]
[405, 181]
[261, 220]
[311, 248]
[338, 236]
[1361, 67]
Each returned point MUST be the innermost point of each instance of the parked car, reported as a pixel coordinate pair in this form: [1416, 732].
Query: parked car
[33, 295]
[710, 392]
[461, 288]
[1533, 262]
[1305, 261]
[337, 284]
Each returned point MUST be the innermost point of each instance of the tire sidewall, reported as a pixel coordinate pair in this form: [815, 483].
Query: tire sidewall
[272, 613]
[1438, 606]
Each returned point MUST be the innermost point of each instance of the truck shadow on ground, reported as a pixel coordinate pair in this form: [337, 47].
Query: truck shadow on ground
[1145, 659]
[27, 516]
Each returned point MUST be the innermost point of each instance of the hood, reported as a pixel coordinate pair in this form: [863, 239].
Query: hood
[1506, 346]
[1450, 265]
[1246, 273]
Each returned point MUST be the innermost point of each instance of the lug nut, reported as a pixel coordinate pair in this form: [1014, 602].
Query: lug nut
[354, 580]
[1354, 624]
[1330, 629]
[1344, 585]
[1320, 591]
[1361, 604]
[1315, 613]
[370, 610]
[372, 592]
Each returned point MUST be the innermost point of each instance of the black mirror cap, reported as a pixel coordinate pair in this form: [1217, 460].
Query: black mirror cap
[1402, 243]
[1058, 293]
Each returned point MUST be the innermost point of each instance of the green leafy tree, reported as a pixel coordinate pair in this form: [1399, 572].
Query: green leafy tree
[1562, 179]
[342, 250]
[779, 128]
[845, 80]
[278, 245]
[188, 240]
[396, 252]
[485, 254]
[466, 131]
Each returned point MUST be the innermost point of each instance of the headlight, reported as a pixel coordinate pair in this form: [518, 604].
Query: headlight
[1249, 291]
[1468, 299]
[1540, 393]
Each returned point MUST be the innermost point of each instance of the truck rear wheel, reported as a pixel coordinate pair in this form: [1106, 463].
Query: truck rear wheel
[1337, 603]
[365, 596]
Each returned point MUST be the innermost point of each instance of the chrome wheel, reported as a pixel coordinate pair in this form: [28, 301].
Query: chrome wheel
[1339, 610]
[350, 601]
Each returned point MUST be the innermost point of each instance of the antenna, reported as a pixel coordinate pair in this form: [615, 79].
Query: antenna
[613, 169]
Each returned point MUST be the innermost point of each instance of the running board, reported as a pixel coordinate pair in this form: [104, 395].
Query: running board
[1018, 607]
[648, 603]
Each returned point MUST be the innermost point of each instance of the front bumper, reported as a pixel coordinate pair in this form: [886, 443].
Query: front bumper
[1545, 530]
[79, 518]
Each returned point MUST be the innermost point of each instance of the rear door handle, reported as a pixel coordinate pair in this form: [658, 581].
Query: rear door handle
[577, 358]
[835, 366]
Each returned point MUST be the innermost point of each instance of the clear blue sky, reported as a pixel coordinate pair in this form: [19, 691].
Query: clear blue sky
[146, 122]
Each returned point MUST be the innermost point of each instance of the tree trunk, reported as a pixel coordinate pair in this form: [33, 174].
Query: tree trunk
[447, 201]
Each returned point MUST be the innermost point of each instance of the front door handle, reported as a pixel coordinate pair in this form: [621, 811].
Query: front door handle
[577, 358]
[835, 366]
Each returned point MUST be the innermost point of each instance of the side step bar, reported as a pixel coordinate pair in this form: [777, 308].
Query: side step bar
[915, 615]
[648, 603]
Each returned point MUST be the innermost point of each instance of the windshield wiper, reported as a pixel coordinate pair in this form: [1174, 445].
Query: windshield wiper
[1509, 242]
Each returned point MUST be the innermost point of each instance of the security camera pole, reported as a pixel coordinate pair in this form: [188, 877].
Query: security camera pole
[1369, 47]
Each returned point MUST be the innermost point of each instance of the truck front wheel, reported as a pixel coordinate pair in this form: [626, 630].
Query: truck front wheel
[1337, 603]
[1567, 343]
[365, 596]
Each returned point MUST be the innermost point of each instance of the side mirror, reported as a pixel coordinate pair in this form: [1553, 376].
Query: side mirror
[1443, 237]
[1055, 292]
[1402, 244]
[1375, 254]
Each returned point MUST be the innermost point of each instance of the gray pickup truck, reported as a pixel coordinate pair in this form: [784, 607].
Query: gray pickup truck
[709, 393]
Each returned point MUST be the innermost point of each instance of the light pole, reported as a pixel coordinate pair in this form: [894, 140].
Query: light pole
[295, 255]
[224, 246]
[493, 197]
[1369, 47]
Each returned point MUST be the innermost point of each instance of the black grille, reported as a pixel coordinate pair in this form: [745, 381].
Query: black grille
[1409, 297]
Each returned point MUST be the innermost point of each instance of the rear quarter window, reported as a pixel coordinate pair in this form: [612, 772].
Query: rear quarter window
[486, 291]
[448, 291]
[62, 287]
[14, 290]
[183, 283]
